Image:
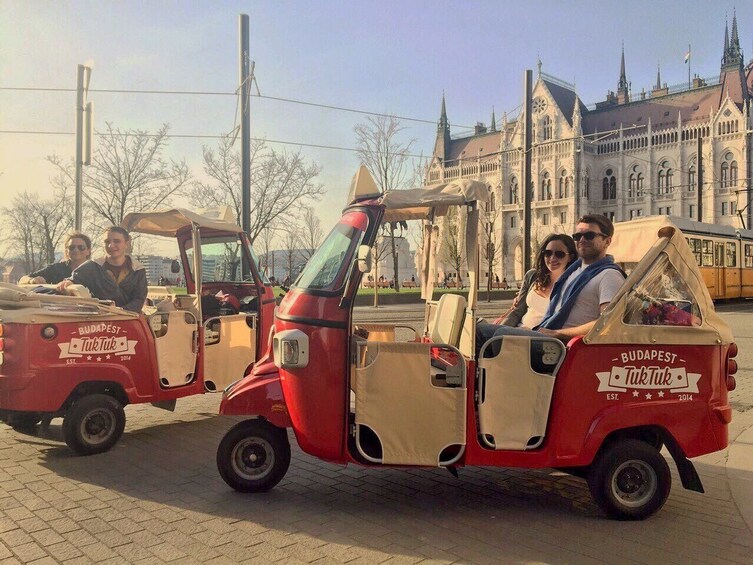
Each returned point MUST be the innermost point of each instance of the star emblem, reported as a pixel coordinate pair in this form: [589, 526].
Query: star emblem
[635, 394]
[648, 396]
[660, 394]
[88, 357]
[107, 356]
[99, 358]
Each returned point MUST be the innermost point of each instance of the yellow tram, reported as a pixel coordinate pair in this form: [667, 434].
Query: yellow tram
[723, 254]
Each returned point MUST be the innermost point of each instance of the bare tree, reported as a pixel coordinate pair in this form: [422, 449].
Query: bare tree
[387, 159]
[311, 233]
[489, 248]
[128, 174]
[280, 183]
[267, 237]
[289, 242]
[452, 242]
[380, 250]
[22, 227]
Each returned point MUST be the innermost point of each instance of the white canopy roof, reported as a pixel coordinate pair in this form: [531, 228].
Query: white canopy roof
[169, 222]
[418, 203]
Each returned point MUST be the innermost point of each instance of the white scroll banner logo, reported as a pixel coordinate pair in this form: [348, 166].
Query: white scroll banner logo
[621, 379]
[78, 347]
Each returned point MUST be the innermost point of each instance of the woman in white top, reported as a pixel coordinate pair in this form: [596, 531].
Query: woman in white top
[554, 256]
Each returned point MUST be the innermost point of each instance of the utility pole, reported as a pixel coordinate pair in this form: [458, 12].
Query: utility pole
[699, 152]
[527, 188]
[245, 89]
[83, 152]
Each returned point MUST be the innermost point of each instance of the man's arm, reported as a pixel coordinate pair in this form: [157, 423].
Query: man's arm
[575, 331]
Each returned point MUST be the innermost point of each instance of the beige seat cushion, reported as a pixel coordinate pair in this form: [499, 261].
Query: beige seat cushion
[448, 320]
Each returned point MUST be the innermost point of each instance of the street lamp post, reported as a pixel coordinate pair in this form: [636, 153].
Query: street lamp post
[83, 152]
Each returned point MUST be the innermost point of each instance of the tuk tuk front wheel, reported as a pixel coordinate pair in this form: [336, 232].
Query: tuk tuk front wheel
[93, 424]
[630, 480]
[253, 456]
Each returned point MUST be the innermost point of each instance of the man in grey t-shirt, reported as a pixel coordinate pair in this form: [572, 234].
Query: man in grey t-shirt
[592, 236]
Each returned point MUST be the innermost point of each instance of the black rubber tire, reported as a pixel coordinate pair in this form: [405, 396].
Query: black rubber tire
[93, 424]
[25, 422]
[253, 456]
[630, 480]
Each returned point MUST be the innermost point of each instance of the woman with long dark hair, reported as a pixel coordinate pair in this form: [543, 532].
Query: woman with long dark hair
[554, 256]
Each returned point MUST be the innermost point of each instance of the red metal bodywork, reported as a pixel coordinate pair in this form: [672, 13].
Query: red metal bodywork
[580, 418]
[37, 376]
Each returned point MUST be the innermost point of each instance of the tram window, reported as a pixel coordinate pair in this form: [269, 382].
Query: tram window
[731, 255]
[718, 255]
[748, 255]
[708, 253]
[695, 247]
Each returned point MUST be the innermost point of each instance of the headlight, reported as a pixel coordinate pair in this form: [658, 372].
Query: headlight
[291, 349]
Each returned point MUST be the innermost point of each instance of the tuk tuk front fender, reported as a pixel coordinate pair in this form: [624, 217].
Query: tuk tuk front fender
[258, 394]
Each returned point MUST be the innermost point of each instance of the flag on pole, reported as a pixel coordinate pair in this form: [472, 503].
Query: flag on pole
[687, 56]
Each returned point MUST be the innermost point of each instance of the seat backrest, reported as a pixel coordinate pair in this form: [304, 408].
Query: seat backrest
[448, 320]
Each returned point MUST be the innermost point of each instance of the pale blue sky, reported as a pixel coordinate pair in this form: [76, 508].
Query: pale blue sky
[384, 56]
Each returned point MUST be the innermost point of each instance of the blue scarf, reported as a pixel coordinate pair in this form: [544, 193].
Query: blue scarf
[555, 319]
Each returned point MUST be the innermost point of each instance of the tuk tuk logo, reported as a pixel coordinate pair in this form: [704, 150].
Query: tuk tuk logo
[97, 345]
[620, 379]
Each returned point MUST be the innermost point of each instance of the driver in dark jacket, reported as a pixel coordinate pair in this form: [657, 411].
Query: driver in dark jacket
[117, 276]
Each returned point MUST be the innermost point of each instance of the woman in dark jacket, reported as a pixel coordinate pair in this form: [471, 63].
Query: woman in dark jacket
[77, 250]
[117, 276]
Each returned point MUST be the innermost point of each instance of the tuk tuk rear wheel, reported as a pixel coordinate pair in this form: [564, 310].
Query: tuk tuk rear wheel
[253, 456]
[93, 424]
[630, 480]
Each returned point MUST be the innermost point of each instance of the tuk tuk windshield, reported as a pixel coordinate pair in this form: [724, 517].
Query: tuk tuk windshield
[328, 267]
[221, 259]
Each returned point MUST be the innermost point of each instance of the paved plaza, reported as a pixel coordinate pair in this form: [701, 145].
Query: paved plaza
[157, 498]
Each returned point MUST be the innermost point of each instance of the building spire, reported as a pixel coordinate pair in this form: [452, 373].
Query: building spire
[735, 42]
[494, 121]
[443, 113]
[733, 54]
[623, 87]
[658, 77]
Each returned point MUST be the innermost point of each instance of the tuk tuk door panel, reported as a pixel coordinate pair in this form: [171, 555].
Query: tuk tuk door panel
[175, 342]
[230, 348]
[399, 398]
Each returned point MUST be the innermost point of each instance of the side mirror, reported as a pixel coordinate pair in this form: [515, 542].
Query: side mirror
[364, 258]
[175, 267]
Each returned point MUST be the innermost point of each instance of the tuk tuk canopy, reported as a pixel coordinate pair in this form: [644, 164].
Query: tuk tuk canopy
[169, 222]
[663, 301]
[420, 203]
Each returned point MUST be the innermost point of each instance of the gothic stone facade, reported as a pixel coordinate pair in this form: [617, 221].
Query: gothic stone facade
[627, 156]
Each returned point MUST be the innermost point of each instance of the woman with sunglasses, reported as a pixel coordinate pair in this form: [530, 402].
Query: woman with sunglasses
[78, 249]
[555, 255]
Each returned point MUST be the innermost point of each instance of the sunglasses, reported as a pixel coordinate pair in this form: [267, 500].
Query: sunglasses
[588, 235]
[558, 254]
[75, 247]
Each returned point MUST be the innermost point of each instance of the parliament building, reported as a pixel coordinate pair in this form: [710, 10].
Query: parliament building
[630, 155]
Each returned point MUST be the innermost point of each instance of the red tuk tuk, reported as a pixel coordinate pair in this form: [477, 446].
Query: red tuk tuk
[84, 360]
[654, 371]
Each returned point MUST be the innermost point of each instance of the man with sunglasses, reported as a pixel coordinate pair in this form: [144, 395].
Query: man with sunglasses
[588, 285]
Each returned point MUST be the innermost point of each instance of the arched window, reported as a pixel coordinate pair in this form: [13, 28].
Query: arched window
[691, 177]
[632, 185]
[587, 184]
[546, 124]
[563, 185]
[513, 190]
[665, 178]
[546, 187]
[725, 174]
[567, 187]
[609, 186]
[733, 173]
[639, 185]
